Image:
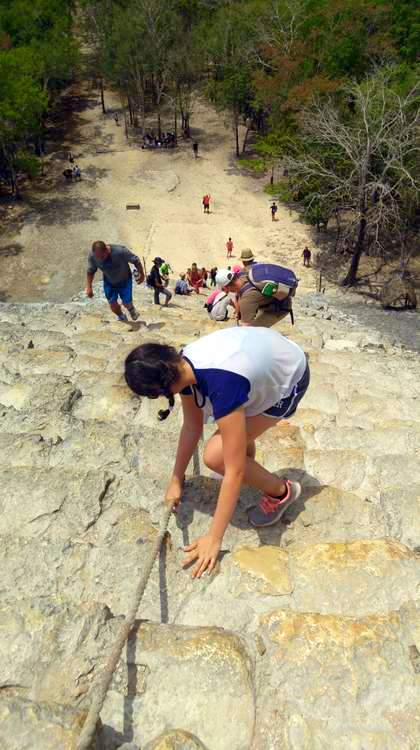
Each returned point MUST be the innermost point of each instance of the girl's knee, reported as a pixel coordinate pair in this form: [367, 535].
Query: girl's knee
[212, 455]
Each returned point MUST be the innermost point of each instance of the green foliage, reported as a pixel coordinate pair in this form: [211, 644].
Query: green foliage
[37, 56]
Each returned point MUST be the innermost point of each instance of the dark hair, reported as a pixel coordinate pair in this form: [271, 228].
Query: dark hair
[151, 369]
[98, 245]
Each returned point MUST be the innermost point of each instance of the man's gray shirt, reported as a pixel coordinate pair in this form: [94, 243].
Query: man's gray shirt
[115, 268]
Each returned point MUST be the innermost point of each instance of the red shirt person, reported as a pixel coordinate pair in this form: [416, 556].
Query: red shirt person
[229, 247]
[195, 278]
[206, 203]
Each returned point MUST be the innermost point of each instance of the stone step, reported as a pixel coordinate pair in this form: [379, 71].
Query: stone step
[340, 678]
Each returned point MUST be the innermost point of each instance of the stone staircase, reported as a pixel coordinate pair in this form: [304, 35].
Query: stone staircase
[305, 637]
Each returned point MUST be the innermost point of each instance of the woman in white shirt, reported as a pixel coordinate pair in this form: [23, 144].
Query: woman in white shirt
[248, 379]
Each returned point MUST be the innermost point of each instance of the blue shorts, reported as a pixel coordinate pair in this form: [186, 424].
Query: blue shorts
[124, 291]
[287, 406]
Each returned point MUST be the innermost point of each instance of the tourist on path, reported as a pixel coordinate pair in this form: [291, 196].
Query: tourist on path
[248, 380]
[182, 286]
[195, 278]
[273, 209]
[165, 270]
[113, 261]
[195, 149]
[213, 273]
[247, 258]
[217, 304]
[253, 308]
[306, 257]
[229, 248]
[206, 203]
[155, 280]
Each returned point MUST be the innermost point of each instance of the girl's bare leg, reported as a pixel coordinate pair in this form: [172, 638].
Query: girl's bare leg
[255, 474]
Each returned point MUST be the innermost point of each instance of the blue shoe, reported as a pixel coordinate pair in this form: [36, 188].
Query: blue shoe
[270, 509]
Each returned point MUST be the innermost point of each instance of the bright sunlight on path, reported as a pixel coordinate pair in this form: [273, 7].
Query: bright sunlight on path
[60, 225]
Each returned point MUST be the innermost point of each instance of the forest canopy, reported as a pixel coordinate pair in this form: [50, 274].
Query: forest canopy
[274, 68]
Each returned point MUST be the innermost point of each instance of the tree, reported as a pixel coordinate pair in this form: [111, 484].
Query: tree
[22, 103]
[230, 44]
[366, 160]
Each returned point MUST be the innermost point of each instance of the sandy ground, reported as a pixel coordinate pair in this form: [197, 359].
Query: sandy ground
[43, 257]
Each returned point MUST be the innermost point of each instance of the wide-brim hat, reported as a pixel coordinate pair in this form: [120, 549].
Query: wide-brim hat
[247, 254]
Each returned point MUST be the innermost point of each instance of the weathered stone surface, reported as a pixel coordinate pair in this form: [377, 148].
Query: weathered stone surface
[401, 505]
[337, 681]
[48, 649]
[333, 515]
[205, 671]
[267, 566]
[311, 620]
[176, 740]
[355, 578]
[25, 726]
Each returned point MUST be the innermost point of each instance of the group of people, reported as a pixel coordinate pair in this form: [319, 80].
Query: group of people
[73, 171]
[194, 279]
[164, 140]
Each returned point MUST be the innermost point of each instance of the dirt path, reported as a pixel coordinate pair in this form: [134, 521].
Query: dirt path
[44, 258]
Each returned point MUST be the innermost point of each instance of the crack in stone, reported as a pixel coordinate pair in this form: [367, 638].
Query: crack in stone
[101, 499]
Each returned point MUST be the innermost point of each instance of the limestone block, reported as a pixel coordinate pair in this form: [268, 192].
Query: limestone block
[44, 361]
[106, 402]
[342, 469]
[42, 566]
[25, 725]
[401, 505]
[61, 502]
[344, 682]
[378, 441]
[367, 410]
[323, 398]
[200, 676]
[177, 739]
[16, 395]
[333, 515]
[49, 649]
[383, 472]
[340, 345]
[355, 578]
[267, 566]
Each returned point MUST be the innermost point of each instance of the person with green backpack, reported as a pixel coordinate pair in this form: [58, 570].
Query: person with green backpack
[264, 293]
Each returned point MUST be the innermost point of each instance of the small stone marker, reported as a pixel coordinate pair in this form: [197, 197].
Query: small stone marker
[133, 206]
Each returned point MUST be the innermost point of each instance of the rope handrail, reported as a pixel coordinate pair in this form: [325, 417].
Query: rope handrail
[100, 688]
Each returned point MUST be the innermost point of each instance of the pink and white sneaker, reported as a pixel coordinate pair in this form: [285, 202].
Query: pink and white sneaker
[270, 509]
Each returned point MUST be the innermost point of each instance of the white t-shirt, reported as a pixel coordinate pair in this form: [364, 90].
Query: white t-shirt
[220, 306]
[250, 367]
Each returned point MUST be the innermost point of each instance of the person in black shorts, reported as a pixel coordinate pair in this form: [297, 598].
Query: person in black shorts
[155, 280]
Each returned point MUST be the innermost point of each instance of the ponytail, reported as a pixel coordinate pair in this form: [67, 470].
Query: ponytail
[164, 413]
[151, 370]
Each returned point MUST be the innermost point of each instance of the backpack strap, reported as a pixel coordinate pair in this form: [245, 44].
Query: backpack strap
[246, 287]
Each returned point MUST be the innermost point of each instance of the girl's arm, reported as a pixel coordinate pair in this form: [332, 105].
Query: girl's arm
[188, 438]
[233, 433]
[205, 549]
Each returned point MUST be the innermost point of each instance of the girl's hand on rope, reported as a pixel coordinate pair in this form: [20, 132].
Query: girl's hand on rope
[205, 550]
[174, 493]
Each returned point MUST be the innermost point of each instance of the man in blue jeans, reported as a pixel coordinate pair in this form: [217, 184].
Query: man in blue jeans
[113, 261]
